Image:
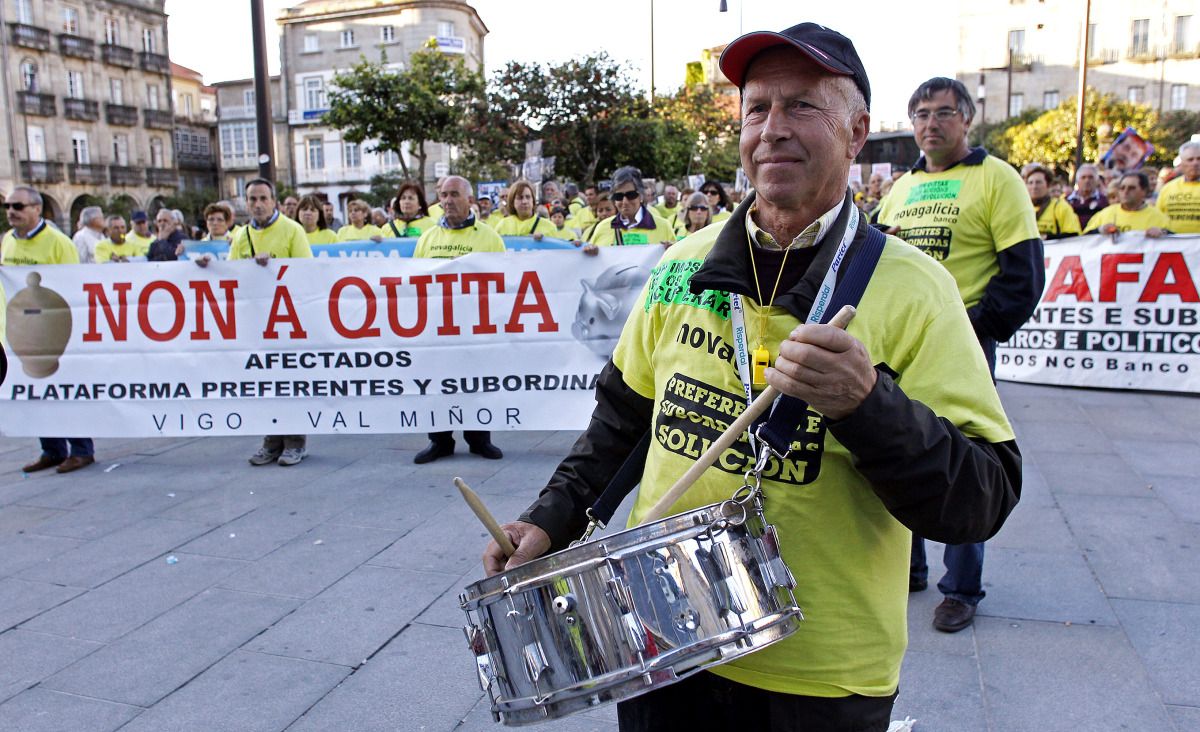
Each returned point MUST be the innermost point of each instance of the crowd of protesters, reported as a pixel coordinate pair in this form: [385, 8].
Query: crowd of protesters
[627, 209]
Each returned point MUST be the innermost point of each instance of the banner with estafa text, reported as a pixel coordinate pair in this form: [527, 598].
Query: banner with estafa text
[1121, 314]
[385, 345]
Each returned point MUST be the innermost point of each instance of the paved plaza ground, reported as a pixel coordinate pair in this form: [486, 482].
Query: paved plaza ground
[174, 587]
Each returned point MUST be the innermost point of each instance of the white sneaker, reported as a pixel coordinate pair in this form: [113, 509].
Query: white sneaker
[293, 456]
[264, 457]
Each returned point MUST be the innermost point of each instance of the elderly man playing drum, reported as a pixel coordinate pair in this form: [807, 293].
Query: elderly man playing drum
[903, 429]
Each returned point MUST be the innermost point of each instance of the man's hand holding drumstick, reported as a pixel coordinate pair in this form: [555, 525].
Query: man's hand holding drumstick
[821, 364]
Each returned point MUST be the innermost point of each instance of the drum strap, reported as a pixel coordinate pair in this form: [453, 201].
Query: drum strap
[788, 413]
[627, 477]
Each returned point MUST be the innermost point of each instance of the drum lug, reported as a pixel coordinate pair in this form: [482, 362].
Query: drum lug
[622, 597]
[731, 598]
[775, 568]
[483, 662]
[535, 660]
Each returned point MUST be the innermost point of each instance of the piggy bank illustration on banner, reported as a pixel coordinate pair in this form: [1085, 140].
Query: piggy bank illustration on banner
[39, 327]
[604, 306]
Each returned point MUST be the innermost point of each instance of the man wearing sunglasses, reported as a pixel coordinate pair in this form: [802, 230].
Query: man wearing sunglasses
[33, 241]
[971, 212]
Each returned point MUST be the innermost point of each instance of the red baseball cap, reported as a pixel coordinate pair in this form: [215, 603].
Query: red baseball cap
[827, 48]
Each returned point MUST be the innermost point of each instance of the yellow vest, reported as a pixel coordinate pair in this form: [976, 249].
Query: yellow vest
[106, 250]
[1180, 201]
[142, 242]
[416, 227]
[321, 236]
[282, 239]
[442, 243]
[604, 235]
[1058, 219]
[353, 233]
[513, 226]
[48, 246]
[1139, 220]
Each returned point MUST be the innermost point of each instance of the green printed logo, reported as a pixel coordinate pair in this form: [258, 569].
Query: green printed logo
[934, 190]
[669, 285]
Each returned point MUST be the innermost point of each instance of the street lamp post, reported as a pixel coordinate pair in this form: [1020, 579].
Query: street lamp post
[262, 94]
[725, 9]
[1081, 104]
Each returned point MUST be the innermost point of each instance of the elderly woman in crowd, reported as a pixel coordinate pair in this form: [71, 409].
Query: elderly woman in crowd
[311, 215]
[412, 212]
[218, 217]
[634, 222]
[168, 241]
[360, 227]
[697, 215]
[523, 219]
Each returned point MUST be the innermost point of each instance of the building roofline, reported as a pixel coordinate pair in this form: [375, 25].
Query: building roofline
[357, 8]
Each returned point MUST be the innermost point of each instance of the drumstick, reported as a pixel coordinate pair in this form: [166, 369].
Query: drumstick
[730, 435]
[486, 517]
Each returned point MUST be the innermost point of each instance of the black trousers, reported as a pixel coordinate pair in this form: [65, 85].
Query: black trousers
[473, 437]
[707, 701]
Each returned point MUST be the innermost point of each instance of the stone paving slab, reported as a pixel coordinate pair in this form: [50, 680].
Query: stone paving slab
[954, 703]
[244, 692]
[1180, 495]
[17, 518]
[1186, 719]
[1164, 635]
[1099, 682]
[42, 710]
[126, 603]
[350, 621]
[1042, 585]
[19, 552]
[163, 655]
[31, 657]
[22, 599]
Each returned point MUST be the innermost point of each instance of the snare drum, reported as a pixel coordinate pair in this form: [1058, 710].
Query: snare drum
[628, 613]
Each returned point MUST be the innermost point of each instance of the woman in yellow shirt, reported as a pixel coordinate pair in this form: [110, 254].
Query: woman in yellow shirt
[697, 215]
[360, 227]
[524, 221]
[311, 214]
[718, 200]
[412, 212]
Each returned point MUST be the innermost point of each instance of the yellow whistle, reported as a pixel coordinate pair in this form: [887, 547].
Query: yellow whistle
[760, 362]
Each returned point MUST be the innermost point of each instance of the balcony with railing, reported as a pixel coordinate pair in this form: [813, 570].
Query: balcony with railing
[30, 36]
[76, 46]
[81, 109]
[1180, 51]
[162, 177]
[158, 119]
[196, 161]
[226, 112]
[1100, 56]
[1143, 53]
[39, 171]
[233, 162]
[37, 105]
[119, 114]
[155, 63]
[84, 174]
[124, 175]
[118, 56]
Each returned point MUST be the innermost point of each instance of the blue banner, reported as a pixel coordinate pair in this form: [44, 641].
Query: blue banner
[402, 247]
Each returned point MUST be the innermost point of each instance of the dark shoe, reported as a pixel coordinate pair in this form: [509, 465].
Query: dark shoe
[487, 450]
[917, 585]
[75, 462]
[433, 452]
[952, 616]
[43, 462]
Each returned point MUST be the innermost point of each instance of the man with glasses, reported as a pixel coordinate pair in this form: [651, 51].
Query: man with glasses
[971, 212]
[33, 241]
[1132, 213]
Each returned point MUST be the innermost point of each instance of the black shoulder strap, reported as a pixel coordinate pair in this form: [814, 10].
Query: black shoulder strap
[779, 428]
[395, 230]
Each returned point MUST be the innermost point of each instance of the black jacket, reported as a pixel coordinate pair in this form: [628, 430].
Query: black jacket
[163, 250]
[928, 474]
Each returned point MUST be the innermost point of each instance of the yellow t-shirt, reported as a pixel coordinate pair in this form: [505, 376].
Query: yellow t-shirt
[442, 243]
[1180, 200]
[963, 217]
[282, 239]
[582, 219]
[1139, 220]
[436, 211]
[48, 246]
[416, 227]
[142, 242]
[1058, 219]
[106, 250]
[848, 554]
[666, 213]
[604, 235]
[513, 226]
[723, 215]
[321, 236]
[349, 232]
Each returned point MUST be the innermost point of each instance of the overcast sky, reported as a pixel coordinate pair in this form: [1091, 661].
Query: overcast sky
[901, 44]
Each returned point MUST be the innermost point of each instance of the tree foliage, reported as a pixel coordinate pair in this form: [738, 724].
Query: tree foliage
[427, 102]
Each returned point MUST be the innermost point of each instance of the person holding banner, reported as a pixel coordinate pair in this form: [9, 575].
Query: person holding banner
[412, 213]
[1180, 199]
[900, 426]
[634, 222]
[602, 208]
[360, 227]
[33, 241]
[971, 212]
[116, 247]
[1132, 213]
[311, 214]
[524, 219]
[1055, 217]
[271, 235]
[458, 234]
[168, 244]
[219, 218]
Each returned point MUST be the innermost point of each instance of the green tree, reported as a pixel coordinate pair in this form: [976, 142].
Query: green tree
[991, 135]
[425, 103]
[1174, 129]
[191, 203]
[1050, 138]
[710, 124]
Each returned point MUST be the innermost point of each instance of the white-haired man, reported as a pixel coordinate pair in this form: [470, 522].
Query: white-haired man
[90, 233]
[1180, 199]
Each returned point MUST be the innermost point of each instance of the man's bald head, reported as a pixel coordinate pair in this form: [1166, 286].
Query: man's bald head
[456, 195]
[462, 184]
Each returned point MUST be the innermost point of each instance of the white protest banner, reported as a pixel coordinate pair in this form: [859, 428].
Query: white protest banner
[1118, 315]
[488, 341]
[884, 169]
